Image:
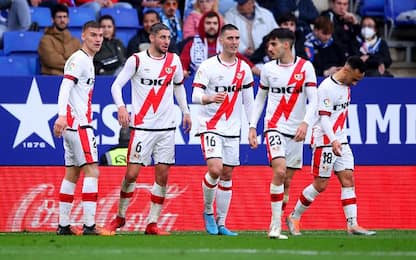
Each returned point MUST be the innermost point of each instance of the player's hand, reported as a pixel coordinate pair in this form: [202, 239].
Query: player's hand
[336, 148]
[123, 116]
[59, 126]
[218, 98]
[301, 132]
[187, 123]
[252, 138]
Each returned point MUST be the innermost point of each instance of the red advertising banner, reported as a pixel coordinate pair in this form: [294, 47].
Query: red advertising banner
[385, 196]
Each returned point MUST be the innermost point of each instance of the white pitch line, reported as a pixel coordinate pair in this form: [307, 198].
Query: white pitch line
[242, 251]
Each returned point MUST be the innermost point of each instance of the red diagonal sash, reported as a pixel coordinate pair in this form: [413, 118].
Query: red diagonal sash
[284, 107]
[227, 106]
[154, 98]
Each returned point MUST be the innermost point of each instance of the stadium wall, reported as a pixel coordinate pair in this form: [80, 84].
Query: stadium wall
[381, 127]
[385, 195]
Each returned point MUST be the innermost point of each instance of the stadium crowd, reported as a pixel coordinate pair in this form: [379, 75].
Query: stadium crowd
[325, 38]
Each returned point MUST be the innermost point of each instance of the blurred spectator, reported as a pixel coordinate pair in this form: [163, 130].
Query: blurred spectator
[151, 4]
[346, 25]
[203, 45]
[190, 24]
[57, 44]
[225, 6]
[112, 55]
[373, 50]
[96, 5]
[169, 16]
[304, 11]
[43, 3]
[288, 21]
[253, 21]
[18, 18]
[141, 41]
[117, 155]
[323, 51]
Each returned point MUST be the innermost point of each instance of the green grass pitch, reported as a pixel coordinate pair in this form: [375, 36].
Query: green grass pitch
[387, 244]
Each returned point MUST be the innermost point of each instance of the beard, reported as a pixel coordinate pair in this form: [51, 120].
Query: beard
[210, 35]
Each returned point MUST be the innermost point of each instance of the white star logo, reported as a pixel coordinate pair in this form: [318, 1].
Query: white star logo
[33, 117]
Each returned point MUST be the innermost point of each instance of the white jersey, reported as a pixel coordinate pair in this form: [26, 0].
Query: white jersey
[80, 69]
[333, 100]
[286, 104]
[214, 76]
[152, 81]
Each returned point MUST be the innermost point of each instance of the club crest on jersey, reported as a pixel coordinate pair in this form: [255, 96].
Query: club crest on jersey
[239, 75]
[327, 102]
[168, 70]
[298, 76]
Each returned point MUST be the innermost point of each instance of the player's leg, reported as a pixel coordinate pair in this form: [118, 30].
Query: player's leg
[322, 163]
[139, 151]
[66, 198]
[66, 193]
[231, 158]
[294, 162]
[276, 197]
[164, 157]
[211, 146]
[157, 198]
[344, 171]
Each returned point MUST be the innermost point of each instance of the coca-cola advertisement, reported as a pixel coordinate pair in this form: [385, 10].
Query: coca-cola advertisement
[29, 200]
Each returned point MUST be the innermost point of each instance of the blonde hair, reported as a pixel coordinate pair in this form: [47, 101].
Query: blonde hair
[214, 6]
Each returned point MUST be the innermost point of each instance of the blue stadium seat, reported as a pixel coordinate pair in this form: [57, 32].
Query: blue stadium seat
[123, 17]
[41, 15]
[16, 66]
[125, 36]
[21, 42]
[399, 13]
[78, 16]
[372, 8]
[76, 32]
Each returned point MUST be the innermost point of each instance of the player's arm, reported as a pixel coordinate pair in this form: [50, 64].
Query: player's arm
[201, 80]
[180, 96]
[310, 115]
[125, 75]
[63, 99]
[327, 127]
[325, 106]
[255, 115]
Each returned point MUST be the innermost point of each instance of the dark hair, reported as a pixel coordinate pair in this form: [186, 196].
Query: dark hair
[211, 14]
[282, 34]
[228, 27]
[151, 11]
[91, 24]
[286, 17]
[355, 62]
[324, 23]
[106, 17]
[59, 8]
[157, 27]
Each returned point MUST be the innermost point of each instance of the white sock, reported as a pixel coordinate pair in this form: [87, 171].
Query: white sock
[209, 188]
[276, 199]
[126, 193]
[66, 197]
[223, 200]
[349, 204]
[89, 199]
[157, 198]
[305, 200]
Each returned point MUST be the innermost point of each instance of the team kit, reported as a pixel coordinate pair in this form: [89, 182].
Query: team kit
[223, 86]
